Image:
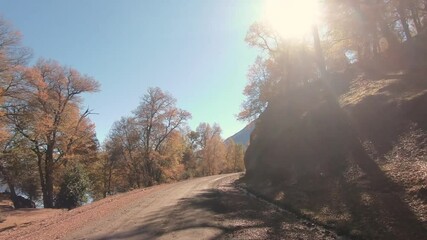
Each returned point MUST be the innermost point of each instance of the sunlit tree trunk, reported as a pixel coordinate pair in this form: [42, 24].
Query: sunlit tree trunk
[386, 32]
[319, 53]
[403, 20]
[415, 17]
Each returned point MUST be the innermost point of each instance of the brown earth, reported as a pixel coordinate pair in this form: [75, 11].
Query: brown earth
[10, 218]
[202, 208]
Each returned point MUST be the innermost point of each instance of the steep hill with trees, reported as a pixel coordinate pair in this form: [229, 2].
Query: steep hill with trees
[341, 133]
[358, 166]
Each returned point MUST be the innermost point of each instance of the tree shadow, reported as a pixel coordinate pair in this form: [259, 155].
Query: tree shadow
[384, 215]
[371, 200]
[304, 147]
[220, 214]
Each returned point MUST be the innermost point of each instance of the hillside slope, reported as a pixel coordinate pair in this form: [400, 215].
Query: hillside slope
[242, 137]
[354, 158]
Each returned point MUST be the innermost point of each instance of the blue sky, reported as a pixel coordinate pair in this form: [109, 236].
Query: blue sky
[193, 49]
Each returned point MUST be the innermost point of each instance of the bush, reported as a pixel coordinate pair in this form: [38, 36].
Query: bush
[73, 189]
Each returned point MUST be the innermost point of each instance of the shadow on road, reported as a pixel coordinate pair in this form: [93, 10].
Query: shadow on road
[220, 214]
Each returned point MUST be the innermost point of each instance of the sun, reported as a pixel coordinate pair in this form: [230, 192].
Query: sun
[291, 18]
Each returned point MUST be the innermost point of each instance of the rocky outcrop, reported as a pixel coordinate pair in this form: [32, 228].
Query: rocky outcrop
[21, 202]
[302, 134]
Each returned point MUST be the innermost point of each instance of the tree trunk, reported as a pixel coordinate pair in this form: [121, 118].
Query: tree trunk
[319, 53]
[106, 177]
[138, 178]
[48, 193]
[375, 43]
[12, 193]
[12, 190]
[415, 16]
[149, 173]
[110, 174]
[403, 20]
[386, 32]
[42, 178]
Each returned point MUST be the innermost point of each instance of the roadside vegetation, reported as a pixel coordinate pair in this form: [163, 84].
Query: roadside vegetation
[49, 148]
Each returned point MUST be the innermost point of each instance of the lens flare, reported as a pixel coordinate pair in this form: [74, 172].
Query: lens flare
[291, 18]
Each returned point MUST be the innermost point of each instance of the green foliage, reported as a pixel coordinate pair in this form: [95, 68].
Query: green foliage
[190, 164]
[74, 188]
[17, 169]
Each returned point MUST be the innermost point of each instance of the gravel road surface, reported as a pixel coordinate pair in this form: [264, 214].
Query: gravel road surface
[202, 208]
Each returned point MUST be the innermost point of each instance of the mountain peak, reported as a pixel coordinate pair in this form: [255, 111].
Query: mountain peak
[243, 136]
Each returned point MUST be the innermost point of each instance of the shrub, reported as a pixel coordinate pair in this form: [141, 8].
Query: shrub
[73, 189]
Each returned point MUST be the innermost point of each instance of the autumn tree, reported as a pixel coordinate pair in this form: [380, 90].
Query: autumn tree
[369, 33]
[282, 65]
[125, 145]
[15, 169]
[368, 28]
[256, 91]
[111, 173]
[234, 156]
[189, 157]
[99, 174]
[211, 149]
[147, 147]
[49, 117]
[157, 117]
[12, 56]
[171, 157]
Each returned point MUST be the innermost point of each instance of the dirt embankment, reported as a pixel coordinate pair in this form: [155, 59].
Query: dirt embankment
[353, 156]
[11, 218]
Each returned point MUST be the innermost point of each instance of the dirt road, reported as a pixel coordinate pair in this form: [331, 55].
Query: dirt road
[202, 208]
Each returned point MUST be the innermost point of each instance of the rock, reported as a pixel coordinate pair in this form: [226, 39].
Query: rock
[422, 194]
[21, 202]
[342, 238]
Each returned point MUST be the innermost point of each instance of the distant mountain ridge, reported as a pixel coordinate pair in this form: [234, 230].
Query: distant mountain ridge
[243, 136]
